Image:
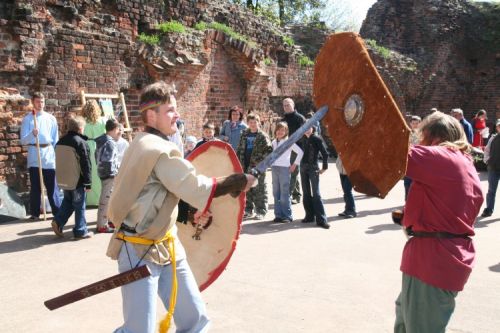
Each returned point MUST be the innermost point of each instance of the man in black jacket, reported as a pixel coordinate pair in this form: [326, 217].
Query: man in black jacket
[73, 173]
[294, 120]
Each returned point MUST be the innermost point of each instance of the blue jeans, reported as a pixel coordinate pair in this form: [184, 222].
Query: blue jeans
[139, 297]
[348, 197]
[74, 201]
[493, 178]
[49, 180]
[313, 205]
[281, 188]
[407, 183]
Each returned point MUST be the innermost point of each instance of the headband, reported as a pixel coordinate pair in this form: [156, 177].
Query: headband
[149, 105]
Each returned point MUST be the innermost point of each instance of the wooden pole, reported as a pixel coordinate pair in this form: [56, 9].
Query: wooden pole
[40, 173]
[127, 124]
[82, 96]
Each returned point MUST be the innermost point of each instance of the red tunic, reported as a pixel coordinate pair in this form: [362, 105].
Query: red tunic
[445, 196]
[478, 125]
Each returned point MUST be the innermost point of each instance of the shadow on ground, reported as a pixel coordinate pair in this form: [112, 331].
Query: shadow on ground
[267, 227]
[483, 222]
[365, 213]
[382, 227]
[34, 241]
[30, 243]
[495, 268]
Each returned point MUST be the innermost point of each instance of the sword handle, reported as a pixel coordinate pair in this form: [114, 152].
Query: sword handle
[254, 172]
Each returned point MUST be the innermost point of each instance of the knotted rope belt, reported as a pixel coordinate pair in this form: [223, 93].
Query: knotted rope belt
[169, 238]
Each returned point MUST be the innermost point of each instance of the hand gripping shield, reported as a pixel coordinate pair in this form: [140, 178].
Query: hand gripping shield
[364, 122]
[209, 250]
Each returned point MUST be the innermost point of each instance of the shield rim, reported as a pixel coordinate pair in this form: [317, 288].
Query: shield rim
[237, 169]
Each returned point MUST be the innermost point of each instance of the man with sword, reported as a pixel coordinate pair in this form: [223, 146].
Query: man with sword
[152, 179]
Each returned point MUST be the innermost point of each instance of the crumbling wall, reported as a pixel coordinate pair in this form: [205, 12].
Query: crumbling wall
[447, 53]
[63, 47]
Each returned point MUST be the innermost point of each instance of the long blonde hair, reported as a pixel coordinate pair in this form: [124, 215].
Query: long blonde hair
[91, 111]
[445, 131]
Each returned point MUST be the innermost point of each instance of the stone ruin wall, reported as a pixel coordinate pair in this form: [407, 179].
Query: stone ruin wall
[447, 54]
[63, 47]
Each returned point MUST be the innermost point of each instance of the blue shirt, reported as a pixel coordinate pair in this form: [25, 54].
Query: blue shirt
[47, 134]
[249, 148]
[467, 129]
[232, 133]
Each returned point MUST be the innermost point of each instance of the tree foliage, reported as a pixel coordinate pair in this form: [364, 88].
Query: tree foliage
[286, 11]
[335, 14]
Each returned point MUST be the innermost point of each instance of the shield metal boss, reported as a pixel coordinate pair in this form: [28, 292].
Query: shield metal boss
[364, 122]
[209, 253]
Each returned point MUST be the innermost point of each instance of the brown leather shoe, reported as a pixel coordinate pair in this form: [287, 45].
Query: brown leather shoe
[57, 230]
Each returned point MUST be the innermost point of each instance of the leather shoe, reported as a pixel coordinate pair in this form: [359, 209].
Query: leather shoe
[323, 225]
[486, 213]
[307, 221]
[57, 230]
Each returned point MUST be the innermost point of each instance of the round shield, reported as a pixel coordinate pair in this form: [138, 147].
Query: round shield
[364, 123]
[209, 250]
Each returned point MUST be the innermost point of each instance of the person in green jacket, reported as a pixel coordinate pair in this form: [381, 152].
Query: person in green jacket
[254, 146]
[94, 128]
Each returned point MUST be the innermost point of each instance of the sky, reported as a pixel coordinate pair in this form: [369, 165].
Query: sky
[360, 7]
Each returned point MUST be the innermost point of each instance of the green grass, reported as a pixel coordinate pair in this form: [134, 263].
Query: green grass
[171, 26]
[268, 61]
[382, 51]
[149, 39]
[200, 26]
[288, 40]
[304, 61]
[411, 68]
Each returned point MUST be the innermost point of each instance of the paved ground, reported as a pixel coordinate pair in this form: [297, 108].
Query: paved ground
[282, 278]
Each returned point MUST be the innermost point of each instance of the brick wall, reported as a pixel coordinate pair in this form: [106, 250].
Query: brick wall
[63, 47]
[455, 50]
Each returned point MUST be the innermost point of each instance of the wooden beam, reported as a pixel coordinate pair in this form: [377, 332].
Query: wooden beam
[125, 113]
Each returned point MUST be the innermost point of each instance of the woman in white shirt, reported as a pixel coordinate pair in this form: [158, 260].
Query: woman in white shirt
[281, 170]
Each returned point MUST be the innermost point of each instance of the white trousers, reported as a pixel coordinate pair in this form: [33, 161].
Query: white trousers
[139, 297]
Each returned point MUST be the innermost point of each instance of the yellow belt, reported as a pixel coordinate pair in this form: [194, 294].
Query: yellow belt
[169, 238]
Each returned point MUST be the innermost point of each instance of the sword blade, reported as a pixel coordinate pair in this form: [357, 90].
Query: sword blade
[271, 158]
[98, 287]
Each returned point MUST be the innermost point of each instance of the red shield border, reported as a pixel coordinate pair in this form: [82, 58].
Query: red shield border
[215, 272]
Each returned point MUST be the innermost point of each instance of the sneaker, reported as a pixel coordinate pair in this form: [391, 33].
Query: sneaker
[111, 225]
[33, 218]
[323, 225]
[88, 235]
[348, 215]
[105, 230]
[259, 217]
[486, 213]
[295, 201]
[248, 215]
[286, 221]
[278, 219]
[57, 229]
[306, 220]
